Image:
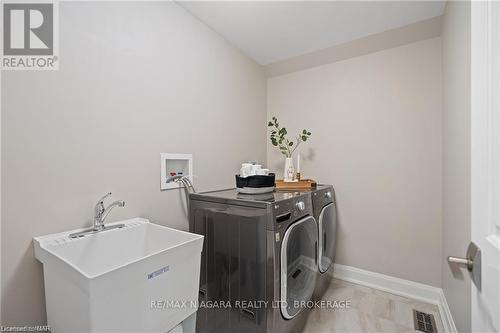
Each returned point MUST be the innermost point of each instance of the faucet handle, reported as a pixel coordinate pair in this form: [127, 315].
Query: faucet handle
[99, 206]
[104, 197]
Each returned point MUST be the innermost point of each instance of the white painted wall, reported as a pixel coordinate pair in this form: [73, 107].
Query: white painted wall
[1, 221]
[136, 80]
[376, 124]
[456, 158]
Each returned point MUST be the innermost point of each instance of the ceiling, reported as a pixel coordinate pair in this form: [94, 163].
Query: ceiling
[271, 31]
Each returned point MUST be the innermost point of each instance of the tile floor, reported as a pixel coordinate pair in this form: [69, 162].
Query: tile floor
[371, 311]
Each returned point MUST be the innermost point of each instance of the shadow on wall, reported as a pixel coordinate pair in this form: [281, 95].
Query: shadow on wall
[310, 155]
[183, 202]
[456, 271]
[30, 270]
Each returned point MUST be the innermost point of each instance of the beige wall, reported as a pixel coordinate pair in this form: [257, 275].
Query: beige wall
[456, 157]
[376, 124]
[388, 39]
[136, 80]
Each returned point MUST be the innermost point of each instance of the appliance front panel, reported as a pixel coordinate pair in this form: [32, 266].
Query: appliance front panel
[299, 265]
[327, 225]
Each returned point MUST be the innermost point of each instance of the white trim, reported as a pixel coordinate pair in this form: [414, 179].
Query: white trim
[445, 312]
[401, 287]
[406, 288]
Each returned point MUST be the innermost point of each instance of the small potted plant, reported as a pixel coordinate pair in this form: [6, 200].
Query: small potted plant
[278, 136]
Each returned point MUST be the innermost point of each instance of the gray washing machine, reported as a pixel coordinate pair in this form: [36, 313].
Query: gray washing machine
[260, 256]
[325, 213]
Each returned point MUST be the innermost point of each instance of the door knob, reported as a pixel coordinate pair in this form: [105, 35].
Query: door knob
[472, 262]
[462, 261]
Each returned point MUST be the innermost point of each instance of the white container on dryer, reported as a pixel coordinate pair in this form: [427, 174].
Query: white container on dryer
[121, 280]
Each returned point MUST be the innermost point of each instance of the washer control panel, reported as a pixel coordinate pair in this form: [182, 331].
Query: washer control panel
[290, 210]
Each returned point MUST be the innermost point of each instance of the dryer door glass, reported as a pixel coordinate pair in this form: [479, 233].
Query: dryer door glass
[299, 266]
[327, 230]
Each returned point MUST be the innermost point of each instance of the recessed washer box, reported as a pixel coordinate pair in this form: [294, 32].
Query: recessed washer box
[174, 164]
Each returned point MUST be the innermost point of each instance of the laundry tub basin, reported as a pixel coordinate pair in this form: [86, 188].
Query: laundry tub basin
[140, 278]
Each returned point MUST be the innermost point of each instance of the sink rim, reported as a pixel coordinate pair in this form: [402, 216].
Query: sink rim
[43, 244]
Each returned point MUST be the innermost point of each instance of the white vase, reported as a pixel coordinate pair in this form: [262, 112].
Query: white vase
[289, 170]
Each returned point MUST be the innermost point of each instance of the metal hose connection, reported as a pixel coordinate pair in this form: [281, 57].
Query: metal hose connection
[188, 186]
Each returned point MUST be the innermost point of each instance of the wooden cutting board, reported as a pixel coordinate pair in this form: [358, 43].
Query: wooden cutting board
[303, 184]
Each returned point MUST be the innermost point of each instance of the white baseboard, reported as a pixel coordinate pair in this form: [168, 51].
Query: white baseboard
[444, 311]
[397, 286]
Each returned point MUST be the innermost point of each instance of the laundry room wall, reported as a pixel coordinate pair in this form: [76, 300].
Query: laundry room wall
[136, 79]
[376, 123]
[457, 157]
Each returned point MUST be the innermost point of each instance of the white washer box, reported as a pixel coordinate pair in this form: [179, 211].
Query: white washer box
[175, 163]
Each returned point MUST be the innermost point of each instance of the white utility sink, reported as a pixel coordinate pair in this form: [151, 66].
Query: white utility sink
[141, 278]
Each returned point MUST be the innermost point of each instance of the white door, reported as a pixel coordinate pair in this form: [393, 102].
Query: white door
[485, 162]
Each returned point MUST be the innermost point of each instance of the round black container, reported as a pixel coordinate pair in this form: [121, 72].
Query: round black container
[255, 182]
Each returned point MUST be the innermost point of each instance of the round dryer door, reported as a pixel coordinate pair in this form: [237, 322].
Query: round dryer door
[299, 265]
[327, 227]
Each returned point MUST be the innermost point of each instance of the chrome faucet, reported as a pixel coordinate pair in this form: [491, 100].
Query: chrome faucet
[100, 215]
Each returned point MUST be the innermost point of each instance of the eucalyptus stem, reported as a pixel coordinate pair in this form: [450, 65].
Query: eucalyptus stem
[279, 139]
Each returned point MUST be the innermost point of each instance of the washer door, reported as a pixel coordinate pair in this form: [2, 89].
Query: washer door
[327, 227]
[299, 265]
